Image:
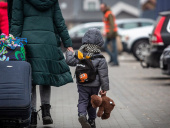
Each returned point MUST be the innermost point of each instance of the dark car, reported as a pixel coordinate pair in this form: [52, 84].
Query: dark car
[159, 40]
[165, 61]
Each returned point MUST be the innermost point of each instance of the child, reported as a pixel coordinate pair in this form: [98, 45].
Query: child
[91, 44]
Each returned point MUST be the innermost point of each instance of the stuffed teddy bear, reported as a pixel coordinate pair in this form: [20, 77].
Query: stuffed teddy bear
[105, 105]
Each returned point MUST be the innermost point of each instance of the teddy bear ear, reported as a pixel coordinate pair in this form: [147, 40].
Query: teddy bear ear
[93, 96]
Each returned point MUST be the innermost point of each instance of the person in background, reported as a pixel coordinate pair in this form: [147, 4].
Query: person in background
[42, 23]
[110, 32]
[4, 28]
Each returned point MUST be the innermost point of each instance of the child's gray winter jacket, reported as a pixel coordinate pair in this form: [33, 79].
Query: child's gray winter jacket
[101, 66]
[93, 36]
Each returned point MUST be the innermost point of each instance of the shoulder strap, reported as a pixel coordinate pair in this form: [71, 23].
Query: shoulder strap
[79, 55]
[98, 56]
[76, 57]
[92, 58]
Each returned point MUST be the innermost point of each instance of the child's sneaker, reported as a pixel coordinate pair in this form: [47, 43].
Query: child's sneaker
[92, 123]
[83, 121]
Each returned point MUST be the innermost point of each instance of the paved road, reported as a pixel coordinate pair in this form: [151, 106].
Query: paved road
[142, 98]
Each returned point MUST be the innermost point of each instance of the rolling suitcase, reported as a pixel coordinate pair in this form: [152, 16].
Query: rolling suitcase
[15, 94]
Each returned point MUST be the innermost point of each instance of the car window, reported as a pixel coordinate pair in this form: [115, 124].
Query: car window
[73, 30]
[100, 28]
[130, 25]
[120, 25]
[146, 24]
[82, 31]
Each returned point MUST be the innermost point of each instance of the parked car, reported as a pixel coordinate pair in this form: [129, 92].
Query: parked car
[165, 61]
[77, 32]
[159, 40]
[136, 40]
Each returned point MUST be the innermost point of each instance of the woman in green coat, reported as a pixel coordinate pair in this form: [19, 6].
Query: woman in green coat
[41, 22]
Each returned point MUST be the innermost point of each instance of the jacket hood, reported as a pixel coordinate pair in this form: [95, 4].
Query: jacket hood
[3, 5]
[42, 4]
[93, 36]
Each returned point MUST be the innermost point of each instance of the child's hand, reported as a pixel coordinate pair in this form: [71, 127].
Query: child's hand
[104, 34]
[70, 49]
[102, 92]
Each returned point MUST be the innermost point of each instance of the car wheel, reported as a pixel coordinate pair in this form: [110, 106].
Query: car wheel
[140, 49]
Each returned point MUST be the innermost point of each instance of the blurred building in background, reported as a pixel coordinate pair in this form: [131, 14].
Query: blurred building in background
[81, 11]
[151, 8]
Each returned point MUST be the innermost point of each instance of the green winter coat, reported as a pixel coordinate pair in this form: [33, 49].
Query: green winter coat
[41, 22]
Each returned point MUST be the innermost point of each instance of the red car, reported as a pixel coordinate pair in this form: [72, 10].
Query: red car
[159, 40]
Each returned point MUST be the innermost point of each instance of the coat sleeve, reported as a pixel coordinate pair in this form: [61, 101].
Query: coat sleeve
[10, 3]
[111, 33]
[17, 18]
[110, 18]
[61, 26]
[71, 60]
[103, 74]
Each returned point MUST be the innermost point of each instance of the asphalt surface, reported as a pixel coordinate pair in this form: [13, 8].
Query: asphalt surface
[142, 98]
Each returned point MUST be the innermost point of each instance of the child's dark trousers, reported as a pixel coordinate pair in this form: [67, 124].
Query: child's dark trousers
[84, 104]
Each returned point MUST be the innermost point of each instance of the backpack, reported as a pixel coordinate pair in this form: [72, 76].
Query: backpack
[85, 70]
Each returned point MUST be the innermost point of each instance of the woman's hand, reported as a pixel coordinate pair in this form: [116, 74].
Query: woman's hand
[102, 92]
[70, 49]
